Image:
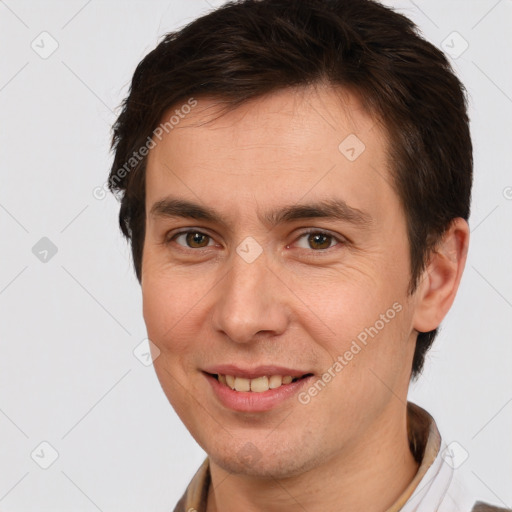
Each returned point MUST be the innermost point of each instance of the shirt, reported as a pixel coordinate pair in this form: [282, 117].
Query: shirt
[434, 488]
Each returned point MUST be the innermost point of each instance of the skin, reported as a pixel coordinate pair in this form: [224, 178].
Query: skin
[296, 305]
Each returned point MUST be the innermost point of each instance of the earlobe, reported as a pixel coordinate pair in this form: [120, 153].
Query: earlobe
[440, 281]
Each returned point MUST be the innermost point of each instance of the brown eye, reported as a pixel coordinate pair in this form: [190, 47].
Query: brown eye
[319, 240]
[196, 239]
[192, 239]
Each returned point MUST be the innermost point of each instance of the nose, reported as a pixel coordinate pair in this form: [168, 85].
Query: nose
[250, 301]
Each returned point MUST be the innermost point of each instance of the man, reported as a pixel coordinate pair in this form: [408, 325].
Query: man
[295, 181]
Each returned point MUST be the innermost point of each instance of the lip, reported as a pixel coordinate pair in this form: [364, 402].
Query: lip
[250, 401]
[257, 371]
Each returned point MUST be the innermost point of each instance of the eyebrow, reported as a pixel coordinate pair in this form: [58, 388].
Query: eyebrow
[330, 209]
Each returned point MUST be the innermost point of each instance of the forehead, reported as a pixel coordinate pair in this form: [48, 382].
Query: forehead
[281, 147]
[284, 118]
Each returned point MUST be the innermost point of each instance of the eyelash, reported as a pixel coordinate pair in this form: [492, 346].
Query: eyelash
[339, 240]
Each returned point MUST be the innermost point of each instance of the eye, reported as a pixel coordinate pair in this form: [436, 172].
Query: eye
[319, 240]
[192, 239]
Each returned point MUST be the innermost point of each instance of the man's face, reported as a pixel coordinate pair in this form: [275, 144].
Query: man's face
[248, 297]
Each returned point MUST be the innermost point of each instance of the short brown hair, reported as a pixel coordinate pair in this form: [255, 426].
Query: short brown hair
[249, 48]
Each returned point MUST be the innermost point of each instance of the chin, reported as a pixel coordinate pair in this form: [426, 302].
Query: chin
[269, 462]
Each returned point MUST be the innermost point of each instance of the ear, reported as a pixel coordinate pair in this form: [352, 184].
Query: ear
[440, 280]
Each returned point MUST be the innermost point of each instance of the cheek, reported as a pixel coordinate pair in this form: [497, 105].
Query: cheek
[369, 321]
[163, 306]
[176, 317]
[166, 312]
[346, 301]
[155, 300]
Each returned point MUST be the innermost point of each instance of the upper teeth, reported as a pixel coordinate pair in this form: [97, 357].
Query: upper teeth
[259, 384]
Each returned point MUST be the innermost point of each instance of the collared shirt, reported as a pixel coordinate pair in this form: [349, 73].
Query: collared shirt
[434, 488]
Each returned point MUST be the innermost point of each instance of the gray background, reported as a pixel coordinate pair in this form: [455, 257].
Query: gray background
[70, 321]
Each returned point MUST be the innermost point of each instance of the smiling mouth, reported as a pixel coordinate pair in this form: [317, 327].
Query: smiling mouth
[258, 384]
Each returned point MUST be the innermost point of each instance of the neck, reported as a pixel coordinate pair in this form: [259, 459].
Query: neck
[371, 476]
